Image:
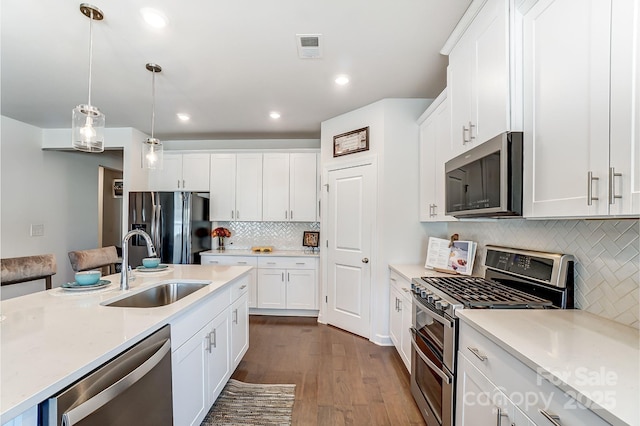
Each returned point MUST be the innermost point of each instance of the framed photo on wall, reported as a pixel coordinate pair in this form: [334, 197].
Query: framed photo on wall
[311, 239]
[350, 142]
[118, 188]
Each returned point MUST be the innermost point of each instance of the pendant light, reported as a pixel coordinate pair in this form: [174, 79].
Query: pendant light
[87, 122]
[152, 147]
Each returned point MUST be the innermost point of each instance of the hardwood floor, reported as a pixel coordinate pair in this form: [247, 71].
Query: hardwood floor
[341, 379]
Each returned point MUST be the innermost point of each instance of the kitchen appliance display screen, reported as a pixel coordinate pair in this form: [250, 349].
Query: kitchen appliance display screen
[530, 266]
[475, 185]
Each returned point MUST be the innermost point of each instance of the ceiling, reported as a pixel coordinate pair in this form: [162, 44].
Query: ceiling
[227, 64]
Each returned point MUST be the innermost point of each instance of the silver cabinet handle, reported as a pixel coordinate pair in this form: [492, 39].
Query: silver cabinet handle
[178, 183]
[406, 290]
[392, 279]
[500, 416]
[235, 316]
[237, 214]
[435, 210]
[612, 185]
[365, 260]
[243, 287]
[241, 263]
[590, 197]
[78, 413]
[271, 263]
[399, 305]
[291, 215]
[396, 308]
[213, 261]
[301, 263]
[283, 277]
[231, 214]
[213, 341]
[288, 277]
[553, 418]
[464, 136]
[471, 127]
[208, 337]
[285, 214]
[477, 353]
[184, 185]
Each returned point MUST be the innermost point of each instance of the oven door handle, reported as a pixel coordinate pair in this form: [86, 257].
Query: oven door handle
[443, 375]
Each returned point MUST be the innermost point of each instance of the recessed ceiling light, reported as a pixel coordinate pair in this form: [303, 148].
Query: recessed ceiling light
[183, 116]
[154, 17]
[275, 115]
[342, 79]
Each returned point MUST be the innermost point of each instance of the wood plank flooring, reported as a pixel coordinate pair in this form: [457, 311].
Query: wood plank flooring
[341, 379]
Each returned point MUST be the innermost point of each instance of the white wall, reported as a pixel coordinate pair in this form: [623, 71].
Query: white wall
[393, 144]
[56, 189]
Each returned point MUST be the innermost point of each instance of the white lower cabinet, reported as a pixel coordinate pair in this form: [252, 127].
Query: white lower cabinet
[400, 316]
[287, 283]
[492, 384]
[208, 342]
[221, 259]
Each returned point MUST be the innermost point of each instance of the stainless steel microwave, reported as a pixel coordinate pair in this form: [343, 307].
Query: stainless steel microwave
[486, 181]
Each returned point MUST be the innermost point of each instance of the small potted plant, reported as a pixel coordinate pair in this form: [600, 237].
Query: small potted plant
[221, 233]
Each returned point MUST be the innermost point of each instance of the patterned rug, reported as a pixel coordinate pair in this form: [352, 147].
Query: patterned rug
[242, 403]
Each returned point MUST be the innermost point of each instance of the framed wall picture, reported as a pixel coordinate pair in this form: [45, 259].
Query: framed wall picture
[118, 188]
[350, 142]
[311, 239]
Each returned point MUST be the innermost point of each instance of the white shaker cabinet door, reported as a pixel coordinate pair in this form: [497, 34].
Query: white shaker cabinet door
[566, 124]
[272, 289]
[218, 354]
[248, 187]
[222, 183]
[239, 329]
[303, 187]
[169, 178]
[301, 289]
[195, 172]
[275, 187]
[190, 395]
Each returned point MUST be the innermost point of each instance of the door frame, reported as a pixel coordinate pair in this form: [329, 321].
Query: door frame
[335, 165]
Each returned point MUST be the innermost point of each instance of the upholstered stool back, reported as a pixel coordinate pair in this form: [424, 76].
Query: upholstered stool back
[83, 260]
[28, 268]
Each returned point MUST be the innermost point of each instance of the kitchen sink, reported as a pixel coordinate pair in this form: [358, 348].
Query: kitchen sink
[160, 295]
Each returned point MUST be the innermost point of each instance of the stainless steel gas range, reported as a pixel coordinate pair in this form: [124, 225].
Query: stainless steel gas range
[514, 279]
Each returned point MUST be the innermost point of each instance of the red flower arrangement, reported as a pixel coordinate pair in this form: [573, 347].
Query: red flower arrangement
[221, 232]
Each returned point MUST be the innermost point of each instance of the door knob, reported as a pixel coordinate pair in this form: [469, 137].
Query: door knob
[365, 260]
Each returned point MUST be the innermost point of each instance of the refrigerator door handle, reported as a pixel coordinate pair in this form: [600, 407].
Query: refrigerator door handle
[158, 234]
[186, 228]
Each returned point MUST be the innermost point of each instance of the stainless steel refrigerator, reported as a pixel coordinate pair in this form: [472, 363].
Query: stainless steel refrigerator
[178, 223]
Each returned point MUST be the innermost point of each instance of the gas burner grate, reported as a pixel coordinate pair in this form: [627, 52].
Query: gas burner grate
[476, 292]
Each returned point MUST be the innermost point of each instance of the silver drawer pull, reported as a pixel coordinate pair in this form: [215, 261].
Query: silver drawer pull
[301, 263]
[406, 290]
[243, 287]
[242, 263]
[553, 418]
[271, 263]
[477, 353]
[393, 279]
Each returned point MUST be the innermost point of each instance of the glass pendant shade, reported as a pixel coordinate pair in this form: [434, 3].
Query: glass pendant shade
[87, 129]
[152, 154]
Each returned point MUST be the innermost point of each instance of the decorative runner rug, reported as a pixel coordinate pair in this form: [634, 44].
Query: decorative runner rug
[242, 403]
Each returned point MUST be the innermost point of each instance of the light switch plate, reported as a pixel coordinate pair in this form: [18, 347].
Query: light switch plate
[37, 230]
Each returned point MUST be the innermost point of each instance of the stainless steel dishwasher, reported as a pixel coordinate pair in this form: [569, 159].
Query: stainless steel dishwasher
[134, 388]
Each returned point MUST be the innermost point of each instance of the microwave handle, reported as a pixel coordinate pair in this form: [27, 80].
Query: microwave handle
[443, 375]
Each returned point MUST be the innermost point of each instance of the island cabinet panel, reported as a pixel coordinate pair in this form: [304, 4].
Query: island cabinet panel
[208, 342]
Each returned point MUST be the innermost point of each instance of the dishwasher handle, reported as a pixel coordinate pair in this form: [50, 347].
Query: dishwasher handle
[83, 410]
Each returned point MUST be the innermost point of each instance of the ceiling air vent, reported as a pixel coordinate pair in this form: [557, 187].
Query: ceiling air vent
[309, 46]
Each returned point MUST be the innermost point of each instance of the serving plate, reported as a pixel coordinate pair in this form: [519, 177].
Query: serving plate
[158, 268]
[74, 286]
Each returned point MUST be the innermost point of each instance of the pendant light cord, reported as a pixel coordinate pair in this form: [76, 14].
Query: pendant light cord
[90, 51]
[153, 101]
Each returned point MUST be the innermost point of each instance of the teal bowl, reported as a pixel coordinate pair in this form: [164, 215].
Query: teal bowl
[150, 262]
[88, 277]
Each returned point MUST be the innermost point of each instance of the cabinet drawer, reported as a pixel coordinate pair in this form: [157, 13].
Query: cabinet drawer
[240, 287]
[399, 283]
[183, 327]
[287, 262]
[529, 391]
[229, 260]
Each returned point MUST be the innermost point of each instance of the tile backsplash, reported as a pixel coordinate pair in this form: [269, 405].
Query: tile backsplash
[606, 255]
[280, 235]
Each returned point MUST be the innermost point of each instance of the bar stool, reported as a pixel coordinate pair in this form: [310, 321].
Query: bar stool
[84, 260]
[17, 270]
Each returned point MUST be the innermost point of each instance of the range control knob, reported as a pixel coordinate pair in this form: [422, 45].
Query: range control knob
[441, 304]
[423, 293]
[433, 298]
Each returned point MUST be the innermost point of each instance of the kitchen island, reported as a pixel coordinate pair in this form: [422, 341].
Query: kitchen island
[50, 339]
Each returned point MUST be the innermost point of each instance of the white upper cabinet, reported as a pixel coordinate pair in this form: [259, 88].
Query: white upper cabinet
[236, 187]
[435, 150]
[181, 172]
[581, 103]
[289, 187]
[482, 75]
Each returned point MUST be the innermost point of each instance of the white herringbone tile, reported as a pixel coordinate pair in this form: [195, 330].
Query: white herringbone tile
[607, 270]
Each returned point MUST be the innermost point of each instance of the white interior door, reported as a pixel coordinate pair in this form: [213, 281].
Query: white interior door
[350, 217]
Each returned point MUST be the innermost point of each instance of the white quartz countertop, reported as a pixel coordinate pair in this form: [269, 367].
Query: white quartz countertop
[282, 253]
[50, 339]
[585, 355]
[410, 271]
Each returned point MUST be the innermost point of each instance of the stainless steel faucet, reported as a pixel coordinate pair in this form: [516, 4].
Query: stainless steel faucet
[151, 250]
